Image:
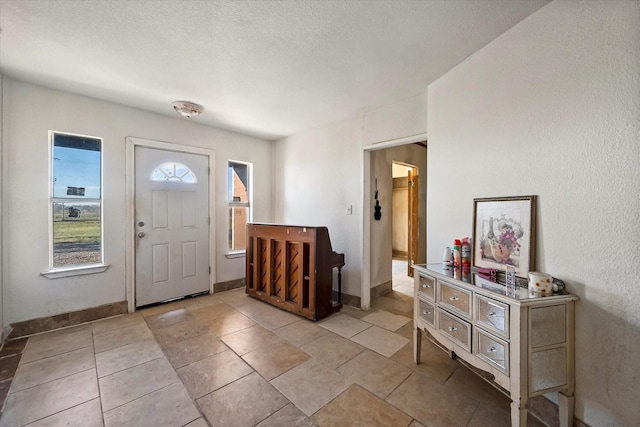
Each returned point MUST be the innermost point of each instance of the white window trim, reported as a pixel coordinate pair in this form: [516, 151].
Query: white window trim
[80, 269]
[58, 273]
[239, 253]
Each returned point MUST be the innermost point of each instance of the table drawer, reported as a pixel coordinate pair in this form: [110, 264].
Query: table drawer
[455, 299]
[455, 328]
[427, 312]
[426, 287]
[492, 350]
[492, 315]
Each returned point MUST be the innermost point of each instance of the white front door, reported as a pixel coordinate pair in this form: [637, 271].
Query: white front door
[171, 223]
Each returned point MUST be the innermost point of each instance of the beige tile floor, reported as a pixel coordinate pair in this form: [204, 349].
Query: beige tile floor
[401, 282]
[229, 360]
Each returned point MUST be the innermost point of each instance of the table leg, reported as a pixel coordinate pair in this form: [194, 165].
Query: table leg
[518, 415]
[565, 409]
[339, 284]
[417, 344]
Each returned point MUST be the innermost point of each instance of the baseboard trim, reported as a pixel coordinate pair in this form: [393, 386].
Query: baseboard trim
[347, 299]
[544, 410]
[227, 286]
[547, 411]
[73, 318]
[382, 289]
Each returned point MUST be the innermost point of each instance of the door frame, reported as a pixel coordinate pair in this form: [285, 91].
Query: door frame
[367, 211]
[130, 241]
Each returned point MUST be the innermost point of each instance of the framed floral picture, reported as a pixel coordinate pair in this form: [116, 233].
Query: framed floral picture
[504, 231]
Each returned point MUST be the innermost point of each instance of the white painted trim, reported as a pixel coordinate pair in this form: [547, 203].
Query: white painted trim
[365, 291]
[4, 217]
[76, 271]
[53, 272]
[130, 242]
[236, 254]
[130, 217]
[395, 142]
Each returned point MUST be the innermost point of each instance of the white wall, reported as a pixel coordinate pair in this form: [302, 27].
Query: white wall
[317, 174]
[406, 117]
[29, 112]
[2, 193]
[552, 108]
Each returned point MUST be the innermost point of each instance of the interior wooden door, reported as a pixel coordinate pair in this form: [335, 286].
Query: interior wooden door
[412, 233]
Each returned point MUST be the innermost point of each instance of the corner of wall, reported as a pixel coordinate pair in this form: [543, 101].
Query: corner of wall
[395, 121]
[273, 181]
[2, 216]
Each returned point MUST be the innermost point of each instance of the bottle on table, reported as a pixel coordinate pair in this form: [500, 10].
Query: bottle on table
[456, 253]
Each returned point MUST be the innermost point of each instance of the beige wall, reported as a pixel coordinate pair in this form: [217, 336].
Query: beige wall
[400, 215]
[552, 108]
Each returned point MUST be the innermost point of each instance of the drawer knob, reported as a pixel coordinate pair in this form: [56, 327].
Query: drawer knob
[426, 312]
[452, 328]
[454, 298]
[492, 314]
[491, 350]
[425, 285]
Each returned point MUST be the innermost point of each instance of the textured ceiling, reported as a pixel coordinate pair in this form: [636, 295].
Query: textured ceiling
[264, 68]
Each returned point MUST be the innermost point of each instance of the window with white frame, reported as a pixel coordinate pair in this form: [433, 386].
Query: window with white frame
[239, 197]
[75, 201]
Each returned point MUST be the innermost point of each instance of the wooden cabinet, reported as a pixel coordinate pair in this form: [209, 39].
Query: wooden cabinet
[291, 267]
[526, 342]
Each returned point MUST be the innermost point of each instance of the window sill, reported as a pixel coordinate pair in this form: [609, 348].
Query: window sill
[236, 254]
[74, 271]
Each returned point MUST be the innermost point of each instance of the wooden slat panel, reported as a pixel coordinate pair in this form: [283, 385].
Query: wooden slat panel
[302, 286]
[311, 273]
[278, 268]
[268, 263]
[285, 272]
[263, 265]
[249, 264]
[256, 263]
[295, 270]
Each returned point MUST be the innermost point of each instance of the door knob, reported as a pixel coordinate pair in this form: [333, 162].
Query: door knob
[141, 234]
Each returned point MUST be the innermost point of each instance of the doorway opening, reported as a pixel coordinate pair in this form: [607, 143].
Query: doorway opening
[404, 225]
[377, 229]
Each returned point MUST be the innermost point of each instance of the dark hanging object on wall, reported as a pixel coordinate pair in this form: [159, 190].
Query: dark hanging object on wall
[377, 214]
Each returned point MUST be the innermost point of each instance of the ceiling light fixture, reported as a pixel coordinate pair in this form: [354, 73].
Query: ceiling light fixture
[187, 109]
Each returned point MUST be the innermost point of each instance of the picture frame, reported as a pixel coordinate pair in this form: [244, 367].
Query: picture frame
[504, 233]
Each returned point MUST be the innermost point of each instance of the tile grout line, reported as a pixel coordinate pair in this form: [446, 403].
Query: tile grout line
[10, 380]
[175, 370]
[177, 378]
[95, 359]
[252, 370]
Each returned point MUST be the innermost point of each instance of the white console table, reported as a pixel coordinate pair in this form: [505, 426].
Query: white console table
[526, 342]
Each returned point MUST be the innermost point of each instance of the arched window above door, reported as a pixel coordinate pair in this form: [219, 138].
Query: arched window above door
[173, 172]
